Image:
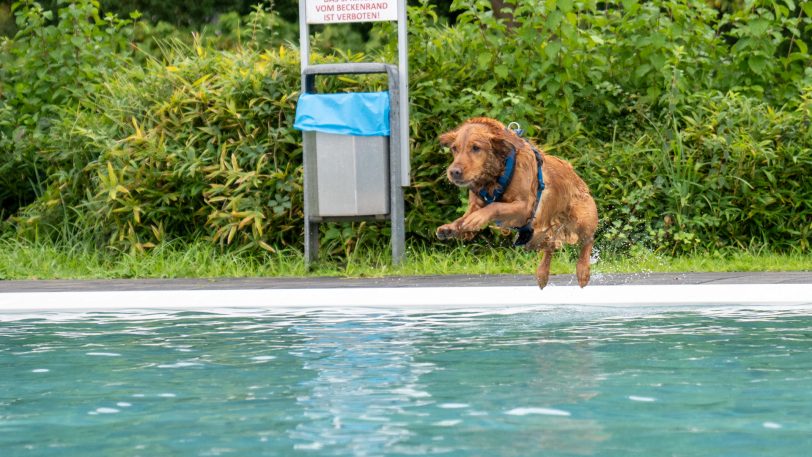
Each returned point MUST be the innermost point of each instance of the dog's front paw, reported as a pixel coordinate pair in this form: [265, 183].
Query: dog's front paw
[475, 221]
[447, 231]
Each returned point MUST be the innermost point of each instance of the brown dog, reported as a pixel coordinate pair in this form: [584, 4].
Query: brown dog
[483, 150]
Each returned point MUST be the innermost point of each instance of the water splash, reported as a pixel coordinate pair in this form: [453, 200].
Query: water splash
[595, 257]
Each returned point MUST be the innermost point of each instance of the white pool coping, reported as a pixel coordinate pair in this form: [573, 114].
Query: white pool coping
[409, 299]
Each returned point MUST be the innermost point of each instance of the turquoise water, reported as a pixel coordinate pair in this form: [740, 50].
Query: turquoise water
[553, 382]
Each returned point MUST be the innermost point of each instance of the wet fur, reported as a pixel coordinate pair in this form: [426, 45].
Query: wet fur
[567, 214]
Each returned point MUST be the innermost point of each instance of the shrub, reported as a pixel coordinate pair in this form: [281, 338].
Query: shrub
[200, 146]
[732, 175]
[50, 65]
[679, 155]
[620, 88]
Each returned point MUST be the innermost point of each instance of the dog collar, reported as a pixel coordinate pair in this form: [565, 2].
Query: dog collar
[525, 232]
[502, 182]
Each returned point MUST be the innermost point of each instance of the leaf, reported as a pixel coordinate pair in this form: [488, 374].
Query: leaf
[758, 27]
[802, 46]
[757, 63]
[564, 5]
[596, 39]
[502, 71]
[112, 175]
[245, 221]
[552, 49]
[484, 60]
[266, 246]
[231, 234]
[554, 20]
[657, 61]
[642, 70]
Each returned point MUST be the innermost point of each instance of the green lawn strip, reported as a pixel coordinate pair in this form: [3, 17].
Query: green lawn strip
[27, 260]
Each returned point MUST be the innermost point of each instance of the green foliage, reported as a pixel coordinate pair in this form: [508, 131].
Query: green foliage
[202, 145]
[621, 89]
[735, 174]
[7, 27]
[259, 28]
[180, 13]
[51, 63]
[690, 124]
[177, 12]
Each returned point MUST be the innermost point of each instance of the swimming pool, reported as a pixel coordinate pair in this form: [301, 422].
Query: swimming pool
[552, 380]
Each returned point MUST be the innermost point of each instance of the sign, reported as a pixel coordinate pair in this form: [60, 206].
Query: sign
[336, 11]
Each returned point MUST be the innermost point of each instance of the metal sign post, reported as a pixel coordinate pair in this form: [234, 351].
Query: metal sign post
[339, 167]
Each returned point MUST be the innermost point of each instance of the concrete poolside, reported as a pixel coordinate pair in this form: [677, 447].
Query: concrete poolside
[501, 293]
[15, 286]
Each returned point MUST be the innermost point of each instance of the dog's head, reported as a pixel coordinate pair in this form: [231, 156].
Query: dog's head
[479, 146]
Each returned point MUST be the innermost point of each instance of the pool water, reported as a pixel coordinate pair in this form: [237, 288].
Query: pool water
[536, 382]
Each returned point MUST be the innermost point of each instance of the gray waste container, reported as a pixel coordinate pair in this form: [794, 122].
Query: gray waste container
[351, 154]
[352, 178]
[350, 134]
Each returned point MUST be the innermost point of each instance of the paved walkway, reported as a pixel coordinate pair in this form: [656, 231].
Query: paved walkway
[804, 277]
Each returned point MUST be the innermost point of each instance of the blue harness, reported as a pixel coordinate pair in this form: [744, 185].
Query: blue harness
[526, 231]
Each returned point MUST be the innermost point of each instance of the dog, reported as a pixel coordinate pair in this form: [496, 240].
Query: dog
[514, 185]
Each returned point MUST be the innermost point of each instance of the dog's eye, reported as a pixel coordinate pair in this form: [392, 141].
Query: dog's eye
[453, 149]
[475, 148]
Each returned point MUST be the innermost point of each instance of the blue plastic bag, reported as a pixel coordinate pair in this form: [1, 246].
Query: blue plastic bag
[356, 113]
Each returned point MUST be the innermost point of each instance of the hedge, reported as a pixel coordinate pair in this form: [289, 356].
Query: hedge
[691, 127]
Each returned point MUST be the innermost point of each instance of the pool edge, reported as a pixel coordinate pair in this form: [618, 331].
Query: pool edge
[412, 298]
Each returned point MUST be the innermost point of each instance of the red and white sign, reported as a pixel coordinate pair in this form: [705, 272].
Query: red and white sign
[334, 11]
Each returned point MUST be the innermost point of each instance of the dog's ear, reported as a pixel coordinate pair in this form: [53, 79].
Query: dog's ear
[502, 144]
[448, 138]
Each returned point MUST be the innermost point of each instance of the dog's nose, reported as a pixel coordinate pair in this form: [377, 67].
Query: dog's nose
[455, 173]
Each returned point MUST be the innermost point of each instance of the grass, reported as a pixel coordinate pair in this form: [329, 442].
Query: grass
[27, 260]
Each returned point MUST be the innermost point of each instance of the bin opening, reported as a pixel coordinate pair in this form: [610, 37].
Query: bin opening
[356, 113]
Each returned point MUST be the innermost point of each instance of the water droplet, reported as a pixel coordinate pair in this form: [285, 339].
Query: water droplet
[595, 257]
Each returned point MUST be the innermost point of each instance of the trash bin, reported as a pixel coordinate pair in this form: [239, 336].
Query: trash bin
[350, 132]
[352, 154]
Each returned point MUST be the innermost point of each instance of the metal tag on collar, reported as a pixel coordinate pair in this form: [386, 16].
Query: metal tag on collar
[517, 130]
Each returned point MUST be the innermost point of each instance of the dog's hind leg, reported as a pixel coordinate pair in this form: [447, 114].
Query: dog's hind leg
[543, 272]
[582, 267]
[585, 214]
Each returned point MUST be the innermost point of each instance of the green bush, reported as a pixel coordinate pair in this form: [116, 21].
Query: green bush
[49, 67]
[733, 175]
[177, 12]
[619, 89]
[201, 145]
[687, 141]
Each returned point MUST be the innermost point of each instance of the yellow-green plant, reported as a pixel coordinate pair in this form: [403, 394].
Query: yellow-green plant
[685, 143]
